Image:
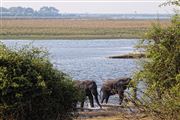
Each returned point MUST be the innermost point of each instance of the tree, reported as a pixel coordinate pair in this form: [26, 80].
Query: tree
[4, 11]
[29, 12]
[171, 2]
[48, 11]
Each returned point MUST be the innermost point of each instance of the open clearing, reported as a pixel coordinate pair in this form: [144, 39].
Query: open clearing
[74, 29]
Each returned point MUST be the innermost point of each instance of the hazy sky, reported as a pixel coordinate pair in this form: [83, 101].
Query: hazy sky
[95, 6]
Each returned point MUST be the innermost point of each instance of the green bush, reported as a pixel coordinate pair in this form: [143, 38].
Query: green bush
[31, 88]
[161, 72]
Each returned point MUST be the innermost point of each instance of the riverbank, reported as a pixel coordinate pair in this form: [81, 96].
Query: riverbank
[75, 29]
[120, 116]
[114, 113]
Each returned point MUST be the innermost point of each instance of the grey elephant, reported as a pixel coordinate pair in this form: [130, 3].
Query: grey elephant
[89, 87]
[112, 87]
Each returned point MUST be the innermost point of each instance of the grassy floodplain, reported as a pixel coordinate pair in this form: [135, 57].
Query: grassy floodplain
[74, 29]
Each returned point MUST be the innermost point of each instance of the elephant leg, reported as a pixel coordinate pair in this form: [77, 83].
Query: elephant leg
[75, 104]
[95, 93]
[82, 101]
[121, 96]
[82, 104]
[103, 97]
[107, 98]
[97, 101]
[102, 100]
[91, 100]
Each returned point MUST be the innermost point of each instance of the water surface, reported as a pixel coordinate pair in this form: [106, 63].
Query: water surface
[88, 59]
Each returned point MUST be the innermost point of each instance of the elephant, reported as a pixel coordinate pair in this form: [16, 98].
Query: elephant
[89, 87]
[112, 87]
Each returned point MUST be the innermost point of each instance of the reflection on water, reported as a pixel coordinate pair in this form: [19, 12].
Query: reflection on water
[87, 59]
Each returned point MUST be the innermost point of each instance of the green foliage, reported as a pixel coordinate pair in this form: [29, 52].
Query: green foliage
[171, 2]
[161, 72]
[32, 89]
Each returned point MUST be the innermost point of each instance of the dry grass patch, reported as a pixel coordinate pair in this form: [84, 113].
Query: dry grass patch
[74, 29]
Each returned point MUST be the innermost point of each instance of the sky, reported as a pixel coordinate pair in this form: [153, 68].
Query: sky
[96, 6]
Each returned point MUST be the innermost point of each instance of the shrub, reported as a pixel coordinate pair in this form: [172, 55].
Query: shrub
[161, 72]
[31, 88]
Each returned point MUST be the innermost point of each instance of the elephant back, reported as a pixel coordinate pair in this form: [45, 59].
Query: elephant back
[85, 84]
[90, 84]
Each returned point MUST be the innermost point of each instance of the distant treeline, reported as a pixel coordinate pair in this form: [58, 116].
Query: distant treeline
[23, 11]
[52, 12]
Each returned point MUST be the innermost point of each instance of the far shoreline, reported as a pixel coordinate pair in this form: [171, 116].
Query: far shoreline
[71, 29]
[88, 39]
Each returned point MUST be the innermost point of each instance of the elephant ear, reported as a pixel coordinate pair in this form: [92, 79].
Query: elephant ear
[117, 85]
[122, 84]
[114, 91]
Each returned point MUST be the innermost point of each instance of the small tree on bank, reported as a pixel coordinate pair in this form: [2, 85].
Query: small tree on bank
[32, 89]
[161, 72]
